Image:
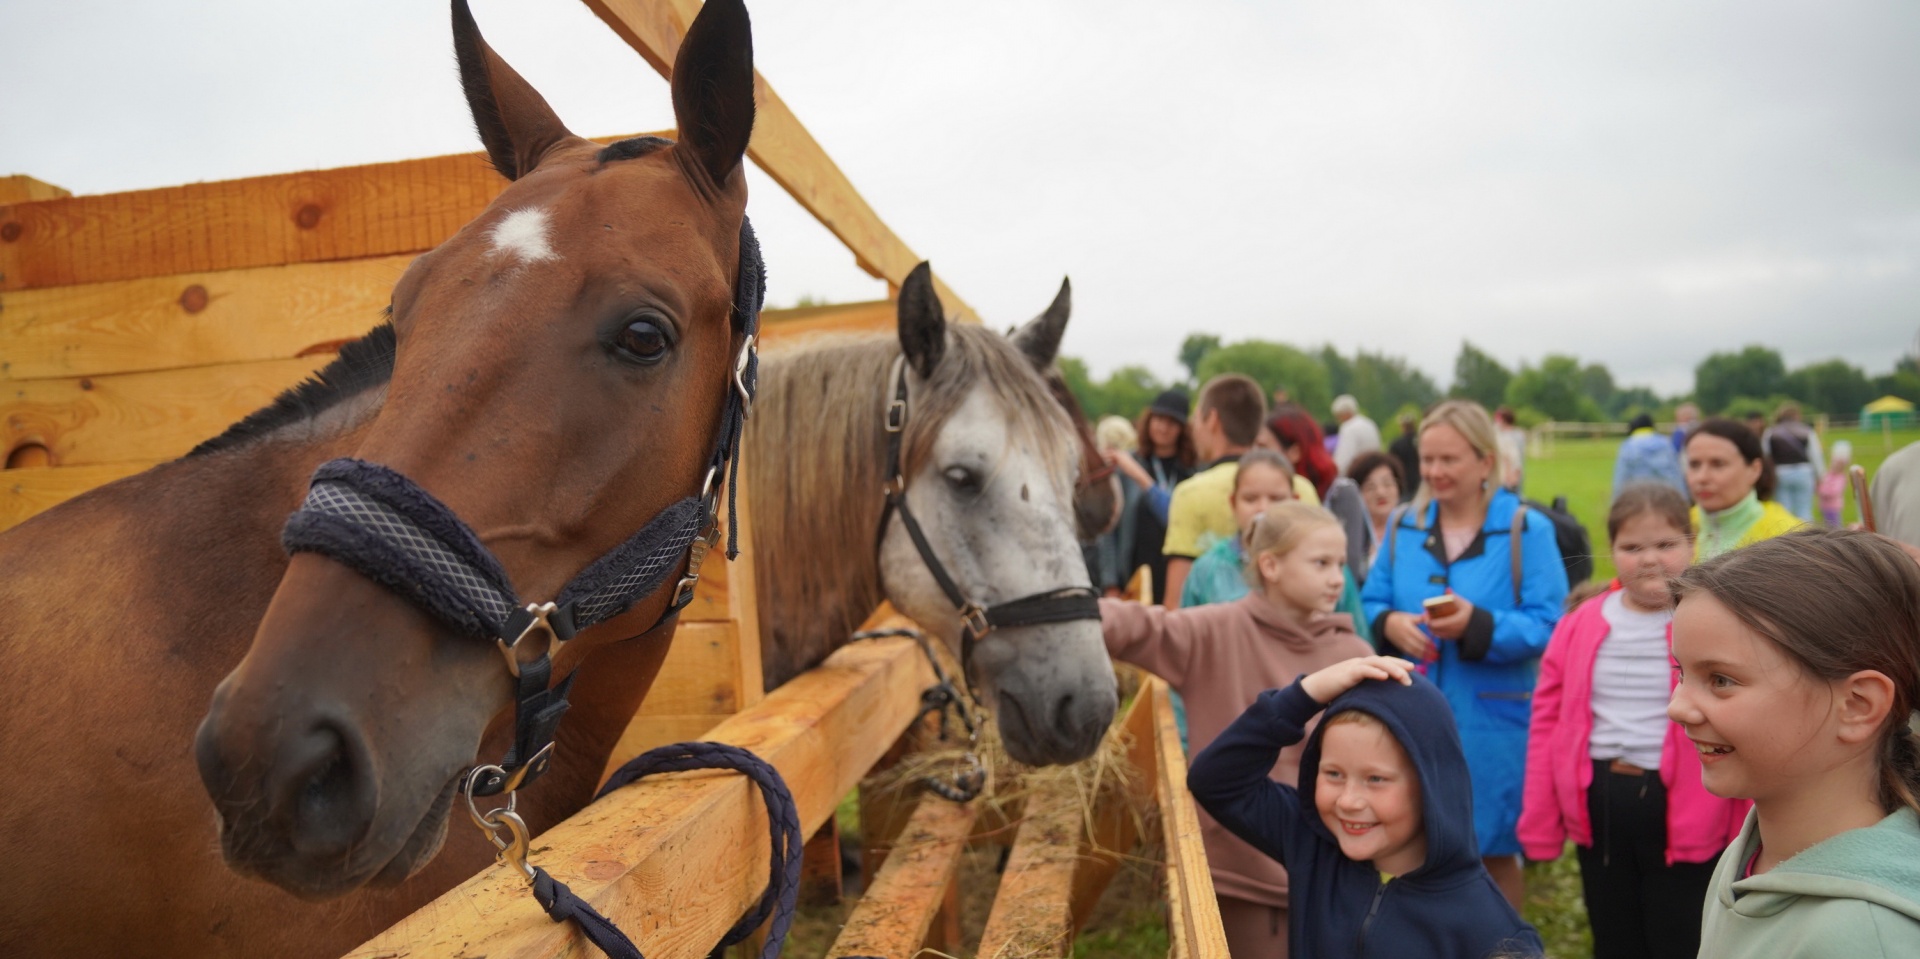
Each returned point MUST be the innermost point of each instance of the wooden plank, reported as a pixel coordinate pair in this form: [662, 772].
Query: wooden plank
[647, 732]
[1032, 913]
[20, 188]
[1193, 915]
[674, 859]
[264, 313]
[896, 913]
[700, 674]
[785, 328]
[782, 147]
[1114, 820]
[26, 492]
[140, 416]
[192, 319]
[379, 209]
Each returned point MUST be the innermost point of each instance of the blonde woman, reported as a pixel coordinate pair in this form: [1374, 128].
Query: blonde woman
[1443, 593]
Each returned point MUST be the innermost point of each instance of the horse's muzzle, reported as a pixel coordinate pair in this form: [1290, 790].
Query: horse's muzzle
[310, 795]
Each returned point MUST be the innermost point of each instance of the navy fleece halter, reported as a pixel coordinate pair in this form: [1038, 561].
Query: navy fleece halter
[387, 528]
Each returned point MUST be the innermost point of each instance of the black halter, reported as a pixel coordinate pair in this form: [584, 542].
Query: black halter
[1063, 605]
[385, 527]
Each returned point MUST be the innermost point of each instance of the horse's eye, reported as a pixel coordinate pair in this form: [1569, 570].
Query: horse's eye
[644, 340]
[961, 479]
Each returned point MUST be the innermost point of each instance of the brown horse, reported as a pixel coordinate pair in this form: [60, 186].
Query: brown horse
[555, 374]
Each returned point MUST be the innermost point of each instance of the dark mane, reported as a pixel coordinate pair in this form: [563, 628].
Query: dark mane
[633, 148]
[362, 364]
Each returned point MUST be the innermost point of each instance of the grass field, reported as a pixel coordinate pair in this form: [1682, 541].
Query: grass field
[1582, 471]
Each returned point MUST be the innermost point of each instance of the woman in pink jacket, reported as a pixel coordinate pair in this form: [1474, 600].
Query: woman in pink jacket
[1606, 768]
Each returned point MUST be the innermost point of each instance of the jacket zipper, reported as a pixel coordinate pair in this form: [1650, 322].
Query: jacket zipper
[1360, 942]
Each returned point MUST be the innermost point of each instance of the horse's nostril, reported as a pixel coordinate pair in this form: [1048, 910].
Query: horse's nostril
[331, 792]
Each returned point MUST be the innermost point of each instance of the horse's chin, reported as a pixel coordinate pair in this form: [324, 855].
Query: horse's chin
[423, 844]
[302, 881]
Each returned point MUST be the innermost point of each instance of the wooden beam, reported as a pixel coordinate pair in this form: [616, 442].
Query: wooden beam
[379, 209]
[20, 188]
[896, 912]
[1032, 913]
[785, 328]
[1193, 915]
[26, 492]
[674, 859]
[260, 313]
[89, 420]
[782, 147]
[192, 319]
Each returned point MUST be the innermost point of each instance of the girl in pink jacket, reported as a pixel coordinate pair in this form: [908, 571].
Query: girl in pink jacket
[1606, 768]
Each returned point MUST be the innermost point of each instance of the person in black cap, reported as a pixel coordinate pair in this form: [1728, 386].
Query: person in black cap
[1165, 457]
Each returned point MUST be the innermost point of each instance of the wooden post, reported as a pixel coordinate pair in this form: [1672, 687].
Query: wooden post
[820, 883]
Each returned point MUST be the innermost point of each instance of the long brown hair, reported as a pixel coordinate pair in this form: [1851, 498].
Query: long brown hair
[1790, 589]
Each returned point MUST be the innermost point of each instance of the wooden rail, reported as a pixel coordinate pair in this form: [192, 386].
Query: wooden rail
[1193, 915]
[675, 859]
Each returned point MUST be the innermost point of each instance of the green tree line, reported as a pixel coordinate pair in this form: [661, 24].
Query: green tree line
[1558, 387]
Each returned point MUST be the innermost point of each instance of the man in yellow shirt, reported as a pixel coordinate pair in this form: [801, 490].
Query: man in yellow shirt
[1224, 425]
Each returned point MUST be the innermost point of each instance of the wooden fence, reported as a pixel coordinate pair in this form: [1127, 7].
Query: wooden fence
[135, 325]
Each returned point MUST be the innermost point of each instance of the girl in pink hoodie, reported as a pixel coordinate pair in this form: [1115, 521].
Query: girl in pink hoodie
[1222, 656]
[1606, 768]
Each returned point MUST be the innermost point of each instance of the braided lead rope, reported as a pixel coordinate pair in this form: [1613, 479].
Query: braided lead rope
[942, 696]
[783, 881]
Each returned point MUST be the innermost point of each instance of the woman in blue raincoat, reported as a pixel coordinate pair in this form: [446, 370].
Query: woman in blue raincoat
[1484, 652]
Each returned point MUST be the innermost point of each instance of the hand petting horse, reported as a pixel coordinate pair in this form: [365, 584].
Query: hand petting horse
[555, 377]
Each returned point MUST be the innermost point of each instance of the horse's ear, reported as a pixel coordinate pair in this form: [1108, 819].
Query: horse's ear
[713, 87]
[514, 120]
[1040, 338]
[923, 324]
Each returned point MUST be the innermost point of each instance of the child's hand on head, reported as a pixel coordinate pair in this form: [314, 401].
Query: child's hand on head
[1330, 682]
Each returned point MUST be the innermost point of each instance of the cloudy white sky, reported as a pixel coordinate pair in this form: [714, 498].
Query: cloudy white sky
[1635, 182]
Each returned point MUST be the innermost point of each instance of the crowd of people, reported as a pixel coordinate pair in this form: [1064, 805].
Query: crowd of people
[1396, 694]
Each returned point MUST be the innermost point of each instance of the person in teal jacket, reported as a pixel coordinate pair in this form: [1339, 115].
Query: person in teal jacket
[1484, 653]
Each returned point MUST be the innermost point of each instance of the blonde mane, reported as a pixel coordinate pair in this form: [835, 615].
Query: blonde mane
[816, 446]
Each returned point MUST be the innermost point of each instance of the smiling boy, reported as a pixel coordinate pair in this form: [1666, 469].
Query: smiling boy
[1378, 837]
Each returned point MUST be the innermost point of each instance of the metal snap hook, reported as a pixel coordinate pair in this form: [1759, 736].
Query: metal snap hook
[511, 851]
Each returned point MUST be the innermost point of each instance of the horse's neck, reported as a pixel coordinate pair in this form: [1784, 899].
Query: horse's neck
[814, 513]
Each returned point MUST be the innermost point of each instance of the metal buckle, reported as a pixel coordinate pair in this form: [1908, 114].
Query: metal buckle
[740, 376]
[696, 557]
[539, 612]
[896, 416]
[973, 619]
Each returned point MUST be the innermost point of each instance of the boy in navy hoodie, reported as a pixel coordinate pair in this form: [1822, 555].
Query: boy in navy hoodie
[1378, 838]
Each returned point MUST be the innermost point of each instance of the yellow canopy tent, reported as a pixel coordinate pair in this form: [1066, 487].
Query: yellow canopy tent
[1887, 411]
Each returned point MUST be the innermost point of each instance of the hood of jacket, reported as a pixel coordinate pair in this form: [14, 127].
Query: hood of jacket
[1278, 627]
[1879, 864]
[1420, 719]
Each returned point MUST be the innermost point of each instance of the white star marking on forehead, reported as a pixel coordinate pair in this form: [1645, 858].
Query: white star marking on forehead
[523, 233]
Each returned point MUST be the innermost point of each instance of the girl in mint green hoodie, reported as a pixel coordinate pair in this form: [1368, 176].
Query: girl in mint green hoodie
[1799, 663]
